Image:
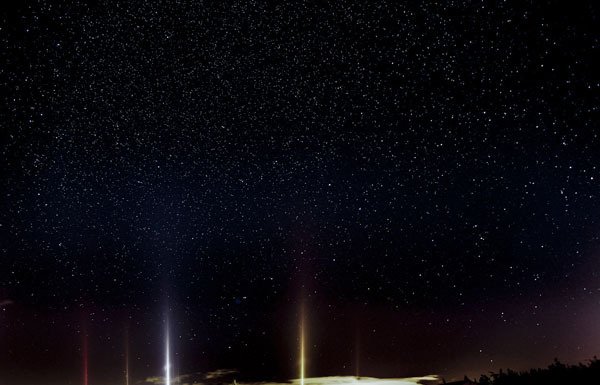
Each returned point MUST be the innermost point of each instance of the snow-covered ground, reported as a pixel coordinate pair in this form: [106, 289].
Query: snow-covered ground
[228, 377]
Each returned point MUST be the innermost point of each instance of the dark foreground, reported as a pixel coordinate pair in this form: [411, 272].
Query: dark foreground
[557, 373]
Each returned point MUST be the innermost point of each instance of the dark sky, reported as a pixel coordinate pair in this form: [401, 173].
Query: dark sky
[423, 176]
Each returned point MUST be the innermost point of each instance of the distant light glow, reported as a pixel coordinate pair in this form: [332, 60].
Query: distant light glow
[302, 336]
[167, 357]
[357, 357]
[127, 358]
[85, 357]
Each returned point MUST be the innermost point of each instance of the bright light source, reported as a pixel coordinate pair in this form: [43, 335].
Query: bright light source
[302, 359]
[167, 356]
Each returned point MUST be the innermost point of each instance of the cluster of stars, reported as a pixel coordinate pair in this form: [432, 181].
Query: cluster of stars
[438, 158]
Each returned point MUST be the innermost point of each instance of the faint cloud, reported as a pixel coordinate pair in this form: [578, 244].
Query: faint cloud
[154, 380]
[5, 302]
[220, 373]
[215, 377]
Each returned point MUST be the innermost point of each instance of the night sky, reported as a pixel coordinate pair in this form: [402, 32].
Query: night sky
[424, 177]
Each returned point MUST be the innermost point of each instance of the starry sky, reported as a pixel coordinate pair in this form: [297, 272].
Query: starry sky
[422, 176]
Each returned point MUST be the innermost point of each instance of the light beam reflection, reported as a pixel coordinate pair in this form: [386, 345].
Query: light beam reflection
[85, 357]
[127, 357]
[302, 352]
[167, 356]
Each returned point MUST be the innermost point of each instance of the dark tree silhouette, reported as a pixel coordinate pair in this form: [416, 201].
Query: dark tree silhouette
[556, 374]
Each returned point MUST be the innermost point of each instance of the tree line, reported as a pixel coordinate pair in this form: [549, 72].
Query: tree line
[557, 373]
